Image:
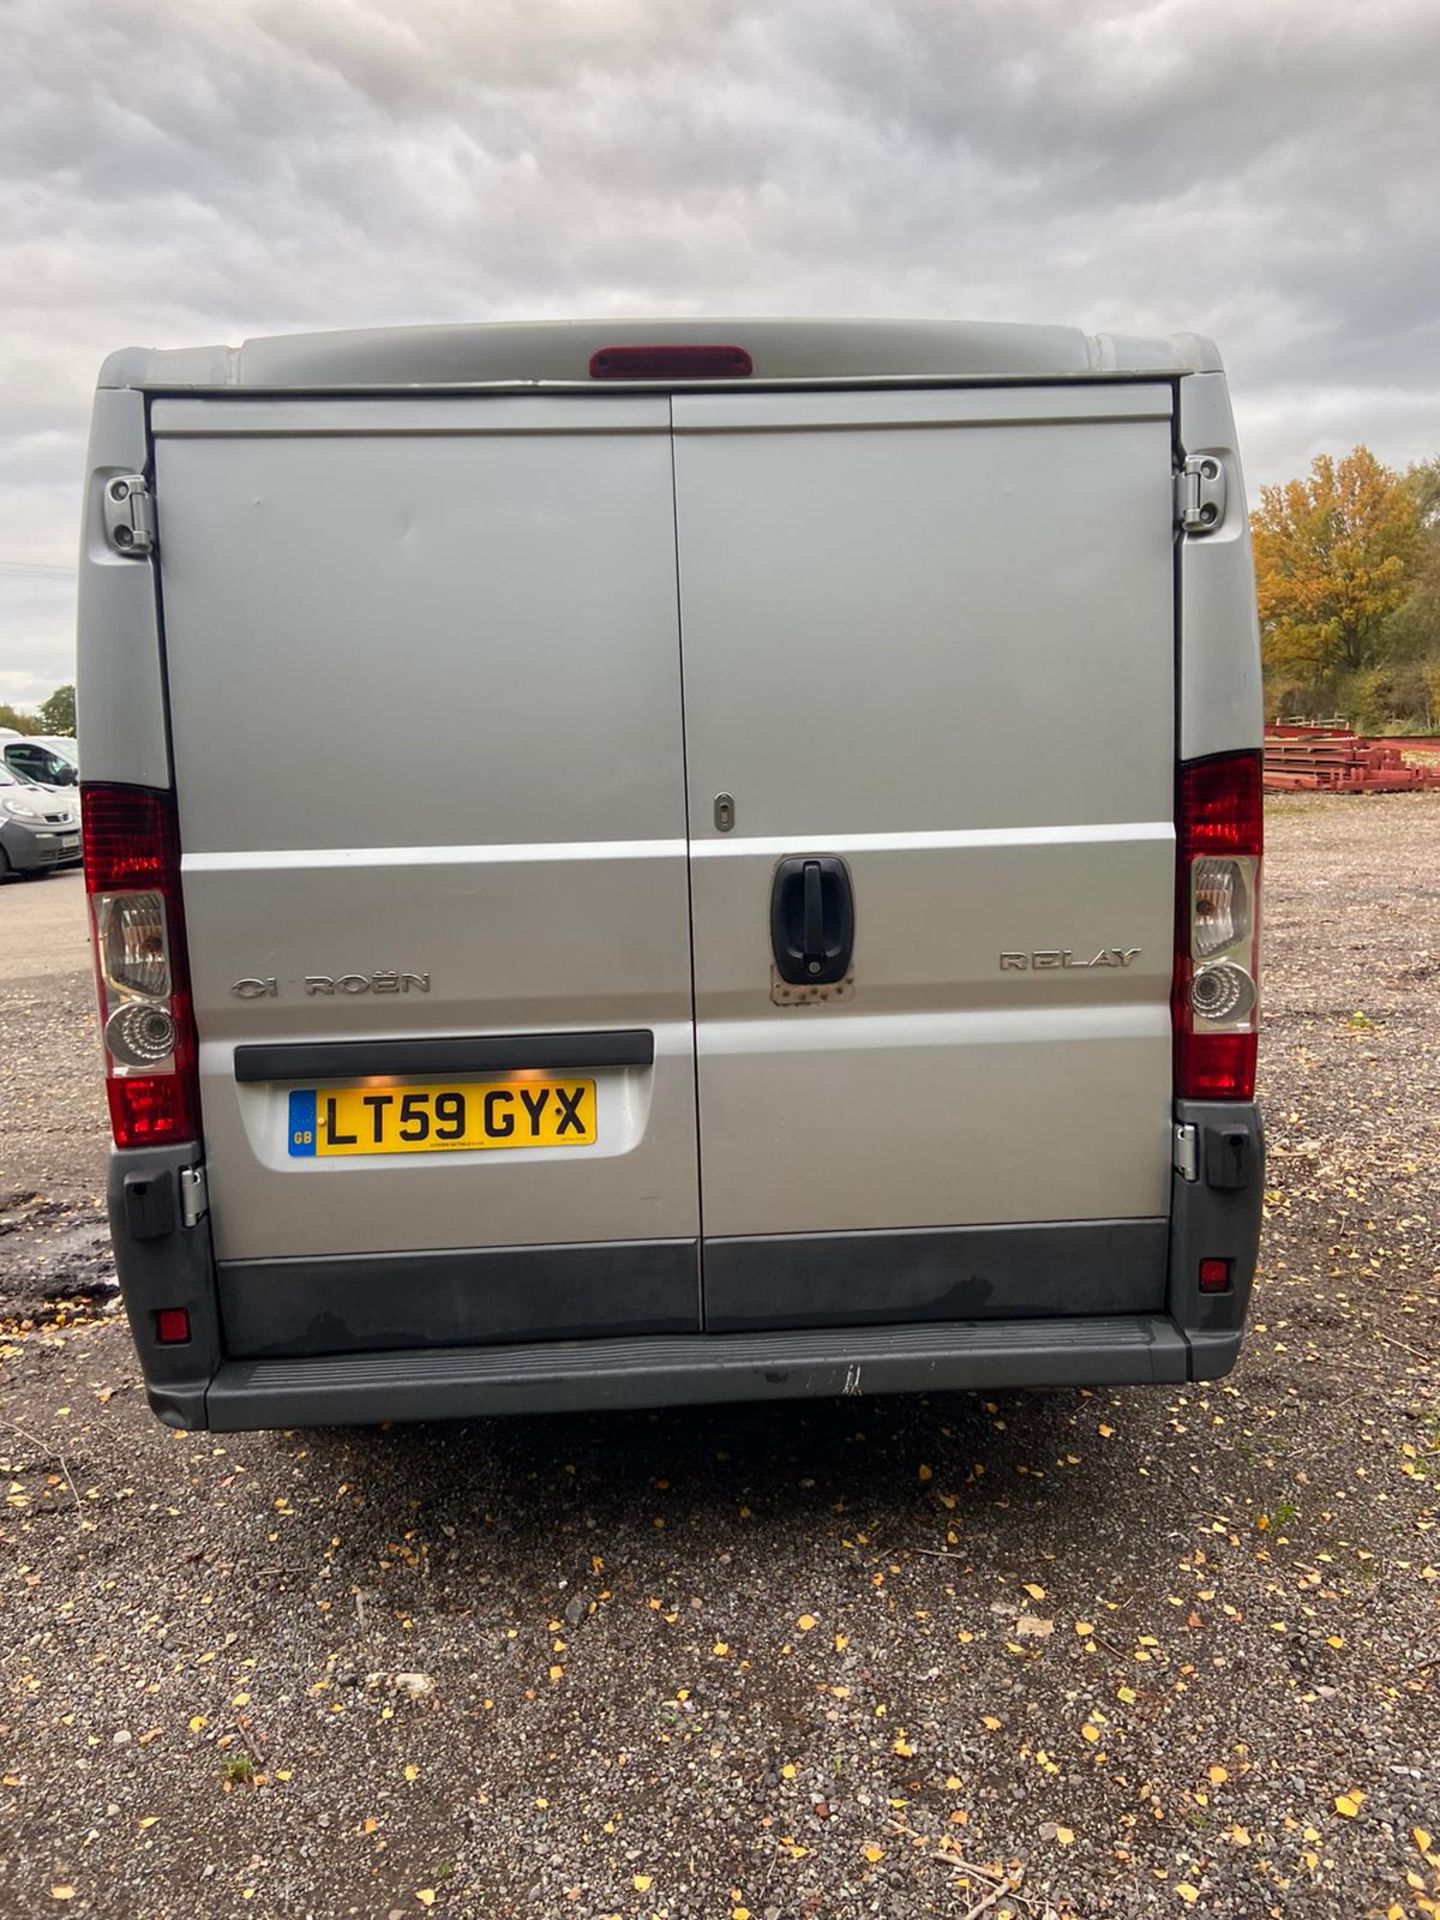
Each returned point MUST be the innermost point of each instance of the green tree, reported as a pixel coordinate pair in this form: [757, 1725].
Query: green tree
[1333, 564]
[13, 718]
[57, 714]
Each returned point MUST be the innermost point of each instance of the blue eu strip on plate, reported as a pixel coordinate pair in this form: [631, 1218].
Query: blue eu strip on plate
[302, 1123]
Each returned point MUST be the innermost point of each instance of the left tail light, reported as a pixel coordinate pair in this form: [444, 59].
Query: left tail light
[132, 878]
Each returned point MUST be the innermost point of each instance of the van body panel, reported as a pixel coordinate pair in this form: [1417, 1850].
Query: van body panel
[120, 675]
[518, 849]
[875, 588]
[499, 707]
[1220, 692]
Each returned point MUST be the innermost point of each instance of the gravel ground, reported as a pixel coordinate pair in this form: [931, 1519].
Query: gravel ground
[1047, 1655]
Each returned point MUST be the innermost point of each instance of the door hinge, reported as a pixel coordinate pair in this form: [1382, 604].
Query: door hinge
[1200, 494]
[1187, 1152]
[194, 1199]
[130, 515]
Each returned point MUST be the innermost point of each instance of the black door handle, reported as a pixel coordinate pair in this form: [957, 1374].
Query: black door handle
[812, 921]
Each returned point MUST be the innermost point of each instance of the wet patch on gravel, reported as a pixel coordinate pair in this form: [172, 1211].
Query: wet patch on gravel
[55, 1259]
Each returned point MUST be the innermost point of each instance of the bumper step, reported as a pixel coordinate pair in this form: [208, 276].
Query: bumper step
[677, 1369]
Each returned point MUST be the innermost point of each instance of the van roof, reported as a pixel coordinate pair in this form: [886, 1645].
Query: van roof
[557, 352]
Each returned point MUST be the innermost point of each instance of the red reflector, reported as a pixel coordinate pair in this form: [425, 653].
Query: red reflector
[172, 1326]
[672, 362]
[1214, 1276]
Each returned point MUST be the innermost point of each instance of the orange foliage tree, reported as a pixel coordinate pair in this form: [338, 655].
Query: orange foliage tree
[1333, 555]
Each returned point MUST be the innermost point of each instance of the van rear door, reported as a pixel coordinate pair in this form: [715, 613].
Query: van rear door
[929, 637]
[424, 689]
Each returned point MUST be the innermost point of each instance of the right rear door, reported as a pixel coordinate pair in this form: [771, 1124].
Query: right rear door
[931, 635]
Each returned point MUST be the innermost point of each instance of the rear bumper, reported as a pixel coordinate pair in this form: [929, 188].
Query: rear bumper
[1084, 1304]
[685, 1369]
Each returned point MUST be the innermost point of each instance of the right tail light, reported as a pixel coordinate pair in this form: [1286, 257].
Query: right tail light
[1215, 1002]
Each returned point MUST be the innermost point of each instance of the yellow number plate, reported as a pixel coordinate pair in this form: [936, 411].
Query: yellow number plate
[517, 1112]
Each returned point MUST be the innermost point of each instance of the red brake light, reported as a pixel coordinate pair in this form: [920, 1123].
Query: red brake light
[670, 362]
[132, 878]
[172, 1326]
[1215, 997]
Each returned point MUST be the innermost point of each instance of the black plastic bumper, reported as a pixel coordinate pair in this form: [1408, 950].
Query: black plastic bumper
[1166, 1331]
[669, 1370]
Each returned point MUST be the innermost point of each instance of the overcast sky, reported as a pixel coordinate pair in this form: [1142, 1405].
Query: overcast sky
[179, 173]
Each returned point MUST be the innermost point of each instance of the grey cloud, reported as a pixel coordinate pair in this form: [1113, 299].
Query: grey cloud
[176, 174]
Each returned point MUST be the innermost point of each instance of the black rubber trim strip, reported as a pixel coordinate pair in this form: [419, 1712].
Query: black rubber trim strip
[347, 1303]
[466, 1053]
[931, 1274]
[672, 1370]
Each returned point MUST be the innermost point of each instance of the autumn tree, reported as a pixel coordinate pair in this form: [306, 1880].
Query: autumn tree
[57, 714]
[1333, 559]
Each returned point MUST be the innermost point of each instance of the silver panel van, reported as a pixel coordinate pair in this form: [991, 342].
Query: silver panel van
[802, 939]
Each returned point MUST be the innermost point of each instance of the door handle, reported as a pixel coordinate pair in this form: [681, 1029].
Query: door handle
[812, 921]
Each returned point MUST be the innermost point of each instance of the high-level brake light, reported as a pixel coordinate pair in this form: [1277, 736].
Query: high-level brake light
[673, 361]
[132, 877]
[1215, 1002]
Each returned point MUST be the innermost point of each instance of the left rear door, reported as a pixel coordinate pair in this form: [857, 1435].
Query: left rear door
[424, 687]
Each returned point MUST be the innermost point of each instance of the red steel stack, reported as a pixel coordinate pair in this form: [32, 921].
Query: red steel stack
[1305, 759]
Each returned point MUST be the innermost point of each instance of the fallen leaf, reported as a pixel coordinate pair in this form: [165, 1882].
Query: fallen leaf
[806, 1622]
[62, 1893]
[1218, 1776]
[1423, 1840]
[926, 1473]
[842, 1641]
[903, 1747]
[1065, 1835]
[1106, 1433]
[873, 1853]
[1127, 1694]
[412, 1772]
[1035, 1593]
[1031, 1627]
[1188, 1893]
[1090, 1733]
[990, 1723]
[720, 1649]
[1084, 1628]
[952, 1785]
[643, 1882]
[1349, 1803]
[426, 1896]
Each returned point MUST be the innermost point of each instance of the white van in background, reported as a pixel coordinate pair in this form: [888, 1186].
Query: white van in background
[828, 961]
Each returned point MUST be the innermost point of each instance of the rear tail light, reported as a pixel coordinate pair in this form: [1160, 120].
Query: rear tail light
[132, 877]
[1215, 1004]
